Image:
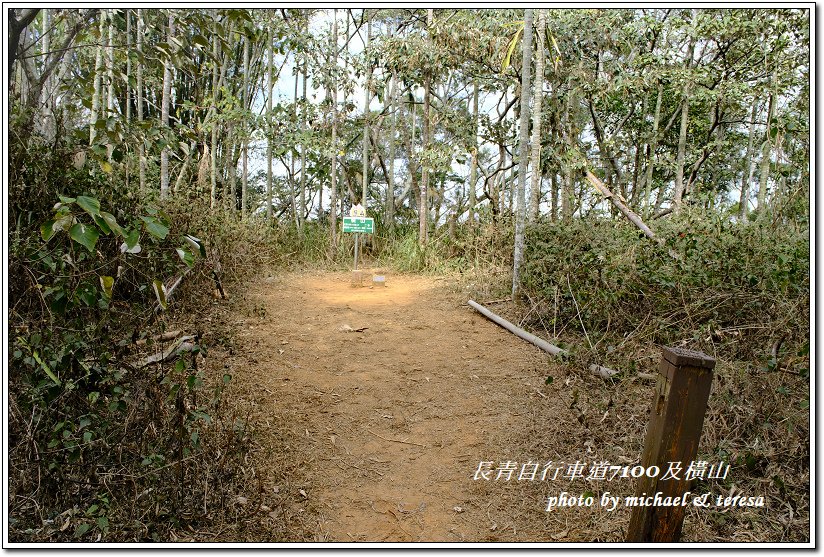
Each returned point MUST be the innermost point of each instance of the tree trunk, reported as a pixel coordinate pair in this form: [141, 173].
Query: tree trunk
[749, 168]
[141, 152]
[523, 155]
[270, 86]
[110, 84]
[213, 114]
[682, 136]
[244, 184]
[366, 101]
[535, 185]
[766, 147]
[333, 196]
[167, 92]
[652, 146]
[303, 123]
[568, 194]
[98, 78]
[423, 206]
[390, 179]
[473, 164]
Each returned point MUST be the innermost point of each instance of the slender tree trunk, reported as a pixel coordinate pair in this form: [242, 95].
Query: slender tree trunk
[244, 191]
[682, 136]
[423, 207]
[303, 125]
[523, 155]
[749, 168]
[535, 185]
[213, 114]
[554, 193]
[270, 87]
[46, 121]
[652, 146]
[473, 163]
[568, 194]
[766, 147]
[333, 196]
[167, 92]
[390, 179]
[98, 78]
[141, 152]
[366, 101]
[128, 87]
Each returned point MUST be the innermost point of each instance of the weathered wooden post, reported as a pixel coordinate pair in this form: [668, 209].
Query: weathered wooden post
[673, 433]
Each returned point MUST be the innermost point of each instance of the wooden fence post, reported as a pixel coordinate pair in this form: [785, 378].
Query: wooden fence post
[673, 433]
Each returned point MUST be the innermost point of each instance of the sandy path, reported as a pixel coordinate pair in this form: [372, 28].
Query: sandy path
[395, 417]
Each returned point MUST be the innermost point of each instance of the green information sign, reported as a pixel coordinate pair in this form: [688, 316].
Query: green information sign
[362, 225]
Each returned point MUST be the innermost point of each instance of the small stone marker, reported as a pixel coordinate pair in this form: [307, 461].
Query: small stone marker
[379, 280]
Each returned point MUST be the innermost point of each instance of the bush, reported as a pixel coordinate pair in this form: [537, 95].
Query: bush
[734, 288]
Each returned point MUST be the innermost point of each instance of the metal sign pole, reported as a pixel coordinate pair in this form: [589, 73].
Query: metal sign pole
[356, 250]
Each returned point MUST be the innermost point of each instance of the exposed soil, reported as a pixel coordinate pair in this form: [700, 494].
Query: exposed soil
[395, 393]
[371, 409]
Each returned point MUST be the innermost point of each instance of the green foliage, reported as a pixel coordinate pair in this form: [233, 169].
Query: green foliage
[734, 287]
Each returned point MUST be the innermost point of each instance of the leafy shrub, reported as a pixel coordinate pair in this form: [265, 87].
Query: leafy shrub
[734, 288]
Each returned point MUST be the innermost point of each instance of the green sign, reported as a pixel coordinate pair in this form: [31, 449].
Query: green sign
[362, 225]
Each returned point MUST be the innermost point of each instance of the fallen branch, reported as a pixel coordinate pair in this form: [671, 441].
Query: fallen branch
[529, 337]
[602, 371]
[627, 212]
[170, 335]
[396, 440]
[178, 347]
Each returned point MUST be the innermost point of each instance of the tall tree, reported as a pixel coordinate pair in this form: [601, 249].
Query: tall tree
[535, 184]
[166, 101]
[523, 154]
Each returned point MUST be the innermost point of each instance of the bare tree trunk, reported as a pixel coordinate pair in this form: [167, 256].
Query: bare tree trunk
[98, 78]
[473, 164]
[682, 136]
[568, 194]
[110, 83]
[164, 109]
[523, 155]
[535, 185]
[367, 99]
[423, 207]
[141, 153]
[766, 147]
[270, 86]
[554, 193]
[652, 146]
[303, 123]
[390, 179]
[213, 114]
[244, 187]
[333, 196]
[749, 168]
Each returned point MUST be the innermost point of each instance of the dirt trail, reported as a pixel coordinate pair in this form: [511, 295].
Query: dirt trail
[395, 393]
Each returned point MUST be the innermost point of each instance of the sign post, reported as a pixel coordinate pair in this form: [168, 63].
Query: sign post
[358, 223]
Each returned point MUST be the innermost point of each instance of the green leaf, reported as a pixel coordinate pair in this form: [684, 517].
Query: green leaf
[66, 200]
[47, 230]
[107, 284]
[87, 436]
[185, 256]
[155, 227]
[46, 368]
[102, 522]
[131, 238]
[85, 235]
[102, 224]
[160, 293]
[510, 49]
[549, 380]
[89, 204]
[81, 529]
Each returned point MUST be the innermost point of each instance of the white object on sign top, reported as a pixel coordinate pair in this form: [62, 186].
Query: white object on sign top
[357, 211]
